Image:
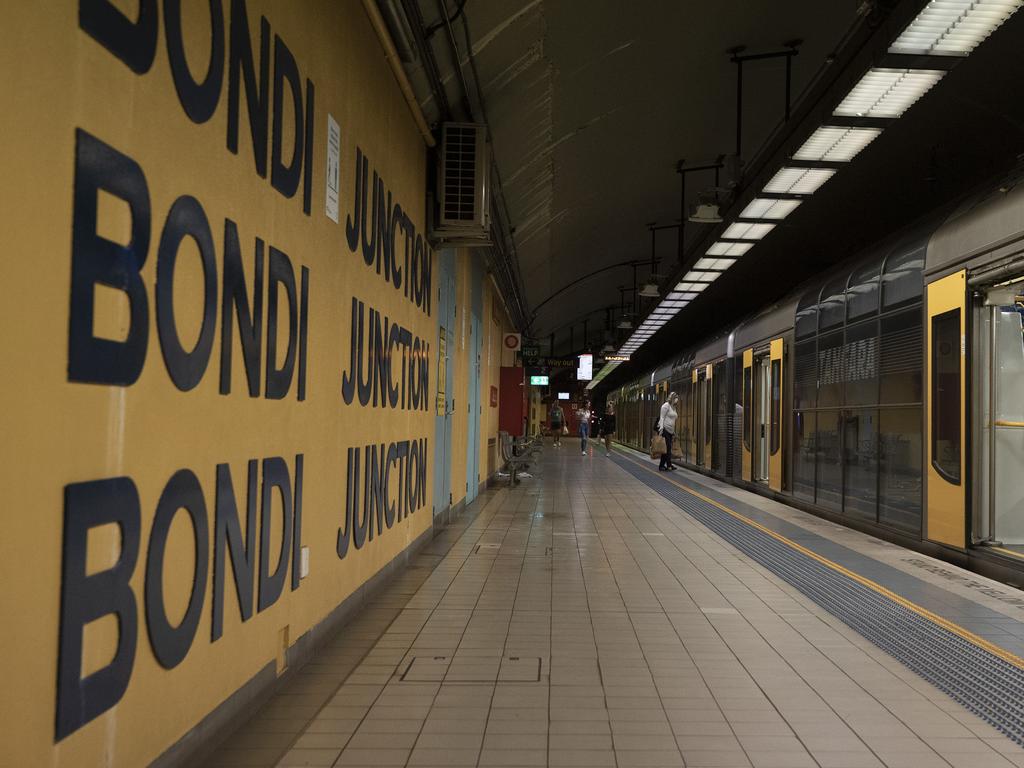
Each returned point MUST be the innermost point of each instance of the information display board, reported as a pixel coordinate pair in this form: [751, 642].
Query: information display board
[585, 370]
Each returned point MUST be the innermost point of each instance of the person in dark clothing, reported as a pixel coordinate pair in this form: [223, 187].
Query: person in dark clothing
[608, 427]
[557, 416]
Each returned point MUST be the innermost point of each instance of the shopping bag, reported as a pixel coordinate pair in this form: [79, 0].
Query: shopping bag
[565, 430]
[657, 446]
[677, 449]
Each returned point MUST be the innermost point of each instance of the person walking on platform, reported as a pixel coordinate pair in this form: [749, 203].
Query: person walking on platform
[608, 427]
[667, 429]
[557, 416]
[584, 418]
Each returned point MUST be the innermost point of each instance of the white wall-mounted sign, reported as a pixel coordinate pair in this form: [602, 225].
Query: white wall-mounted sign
[333, 167]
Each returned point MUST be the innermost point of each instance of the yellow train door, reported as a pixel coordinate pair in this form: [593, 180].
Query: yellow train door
[708, 413]
[775, 451]
[694, 416]
[946, 512]
[748, 413]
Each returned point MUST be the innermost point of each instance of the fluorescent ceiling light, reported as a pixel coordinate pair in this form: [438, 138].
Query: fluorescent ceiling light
[719, 264]
[729, 249]
[745, 231]
[676, 304]
[766, 208]
[701, 276]
[953, 27]
[677, 296]
[887, 92]
[798, 181]
[837, 145]
[693, 287]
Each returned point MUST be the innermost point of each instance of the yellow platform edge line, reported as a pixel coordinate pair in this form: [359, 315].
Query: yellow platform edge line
[956, 629]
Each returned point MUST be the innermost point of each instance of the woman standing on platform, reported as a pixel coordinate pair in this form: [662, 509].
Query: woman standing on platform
[557, 422]
[608, 427]
[667, 429]
[584, 418]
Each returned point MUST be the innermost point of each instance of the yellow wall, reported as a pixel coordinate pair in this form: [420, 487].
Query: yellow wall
[62, 430]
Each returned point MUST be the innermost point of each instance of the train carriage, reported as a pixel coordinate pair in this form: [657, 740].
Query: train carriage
[885, 394]
[974, 297]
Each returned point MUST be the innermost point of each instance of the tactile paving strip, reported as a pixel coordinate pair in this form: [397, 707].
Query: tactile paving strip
[982, 682]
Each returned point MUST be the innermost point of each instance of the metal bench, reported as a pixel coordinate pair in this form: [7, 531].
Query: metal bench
[517, 454]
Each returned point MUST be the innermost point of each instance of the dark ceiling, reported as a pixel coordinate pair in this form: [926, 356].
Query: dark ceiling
[591, 105]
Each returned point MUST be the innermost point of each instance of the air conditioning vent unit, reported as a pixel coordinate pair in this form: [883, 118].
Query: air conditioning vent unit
[464, 181]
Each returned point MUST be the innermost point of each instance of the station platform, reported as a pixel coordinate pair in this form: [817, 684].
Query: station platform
[602, 613]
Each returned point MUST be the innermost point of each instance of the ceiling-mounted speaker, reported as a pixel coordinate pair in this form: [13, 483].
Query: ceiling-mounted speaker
[650, 290]
[707, 207]
[625, 324]
[706, 213]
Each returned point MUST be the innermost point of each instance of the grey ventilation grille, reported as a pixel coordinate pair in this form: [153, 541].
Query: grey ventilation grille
[459, 203]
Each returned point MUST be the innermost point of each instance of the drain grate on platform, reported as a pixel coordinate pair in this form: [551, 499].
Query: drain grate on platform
[985, 684]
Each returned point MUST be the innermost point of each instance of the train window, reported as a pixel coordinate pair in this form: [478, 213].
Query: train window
[828, 450]
[747, 410]
[899, 468]
[805, 378]
[901, 280]
[776, 385]
[862, 293]
[830, 369]
[832, 310]
[803, 435]
[807, 314]
[860, 363]
[945, 384]
[901, 359]
[860, 462]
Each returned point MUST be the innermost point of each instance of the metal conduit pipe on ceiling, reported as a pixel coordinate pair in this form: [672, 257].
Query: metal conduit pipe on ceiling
[504, 267]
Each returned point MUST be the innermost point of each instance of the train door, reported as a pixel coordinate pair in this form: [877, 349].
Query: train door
[707, 404]
[946, 516]
[762, 411]
[775, 357]
[748, 414]
[998, 400]
[694, 416]
[699, 387]
[683, 424]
